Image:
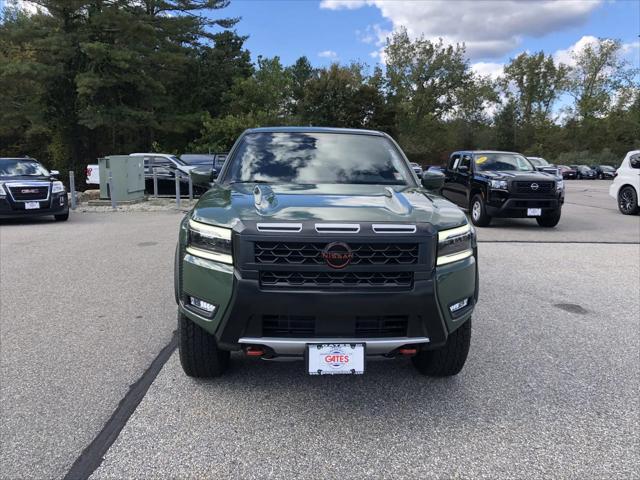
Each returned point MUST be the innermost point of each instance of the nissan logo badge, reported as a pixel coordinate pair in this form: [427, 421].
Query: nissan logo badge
[337, 254]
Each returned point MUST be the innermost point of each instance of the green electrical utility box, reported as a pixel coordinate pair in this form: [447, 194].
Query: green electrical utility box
[127, 177]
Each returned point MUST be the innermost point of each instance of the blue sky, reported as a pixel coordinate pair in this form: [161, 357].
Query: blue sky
[347, 30]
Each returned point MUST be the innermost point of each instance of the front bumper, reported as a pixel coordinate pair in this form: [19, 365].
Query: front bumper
[57, 204]
[505, 205]
[328, 316]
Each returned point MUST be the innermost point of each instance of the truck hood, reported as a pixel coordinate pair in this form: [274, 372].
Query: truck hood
[24, 178]
[230, 205]
[510, 175]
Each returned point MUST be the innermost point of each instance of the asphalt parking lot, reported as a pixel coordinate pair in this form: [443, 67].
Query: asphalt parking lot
[550, 389]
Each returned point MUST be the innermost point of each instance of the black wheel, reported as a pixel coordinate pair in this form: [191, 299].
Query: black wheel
[199, 353]
[579, 176]
[628, 200]
[600, 176]
[449, 359]
[62, 217]
[479, 215]
[550, 219]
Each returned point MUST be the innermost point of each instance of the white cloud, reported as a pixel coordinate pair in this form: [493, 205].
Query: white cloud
[328, 54]
[342, 4]
[492, 70]
[566, 55]
[630, 47]
[489, 29]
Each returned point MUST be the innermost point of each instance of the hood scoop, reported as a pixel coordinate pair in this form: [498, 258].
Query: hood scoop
[395, 202]
[264, 199]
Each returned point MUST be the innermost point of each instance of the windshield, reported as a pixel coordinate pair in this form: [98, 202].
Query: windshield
[12, 167]
[312, 158]
[197, 159]
[607, 167]
[538, 162]
[502, 162]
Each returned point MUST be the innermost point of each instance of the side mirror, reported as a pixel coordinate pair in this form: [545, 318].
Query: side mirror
[214, 174]
[432, 180]
[463, 169]
[202, 176]
[54, 173]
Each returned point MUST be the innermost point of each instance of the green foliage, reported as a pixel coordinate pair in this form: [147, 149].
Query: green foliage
[86, 78]
[89, 78]
[585, 157]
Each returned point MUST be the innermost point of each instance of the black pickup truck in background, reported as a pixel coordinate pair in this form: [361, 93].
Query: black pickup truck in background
[502, 184]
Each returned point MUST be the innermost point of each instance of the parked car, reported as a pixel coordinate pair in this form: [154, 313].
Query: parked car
[542, 165]
[331, 259]
[166, 167]
[27, 189]
[585, 172]
[626, 185]
[197, 159]
[417, 169]
[502, 184]
[220, 159]
[604, 171]
[567, 172]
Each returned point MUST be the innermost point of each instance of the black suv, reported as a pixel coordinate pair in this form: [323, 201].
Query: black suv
[502, 184]
[27, 189]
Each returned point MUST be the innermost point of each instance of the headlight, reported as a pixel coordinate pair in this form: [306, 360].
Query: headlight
[455, 244]
[57, 187]
[212, 243]
[559, 185]
[499, 184]
[2, 190]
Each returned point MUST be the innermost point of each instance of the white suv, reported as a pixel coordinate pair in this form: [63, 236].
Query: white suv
[626, 186]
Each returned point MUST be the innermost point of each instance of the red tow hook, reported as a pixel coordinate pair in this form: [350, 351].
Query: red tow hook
[407, 351]
[254, 351]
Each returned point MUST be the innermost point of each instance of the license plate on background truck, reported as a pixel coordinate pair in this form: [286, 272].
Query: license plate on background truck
[534, 212]
[31, 205]
[335, 359]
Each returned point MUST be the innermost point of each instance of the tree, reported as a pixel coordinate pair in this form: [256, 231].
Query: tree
[532, 84]
[598, 74]
[105, 74]
[429, 85]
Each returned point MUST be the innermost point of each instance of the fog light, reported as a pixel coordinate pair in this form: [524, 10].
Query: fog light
[61, 200]
[457, 306]
[202, 305]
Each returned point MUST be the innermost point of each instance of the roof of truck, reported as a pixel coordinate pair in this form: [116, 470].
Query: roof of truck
[355, 131]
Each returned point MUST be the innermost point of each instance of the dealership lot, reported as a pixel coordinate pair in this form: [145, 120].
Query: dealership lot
[550, 388]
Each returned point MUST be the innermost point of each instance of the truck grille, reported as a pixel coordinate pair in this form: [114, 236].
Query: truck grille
[526, 187]
[300, 326]
[336, 279]
[308, 253]
[28, 193]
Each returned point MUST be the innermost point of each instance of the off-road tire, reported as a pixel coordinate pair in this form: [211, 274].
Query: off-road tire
[628, 200]
[448, 360]
[62, 217]
[550, 220]
[200, 356]
[478, 212]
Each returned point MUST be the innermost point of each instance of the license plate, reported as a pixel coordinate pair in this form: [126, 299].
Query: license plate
[335, 359]
[31, 205]
[534, 212]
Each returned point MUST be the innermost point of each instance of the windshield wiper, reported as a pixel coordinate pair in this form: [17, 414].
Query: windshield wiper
[248, 181]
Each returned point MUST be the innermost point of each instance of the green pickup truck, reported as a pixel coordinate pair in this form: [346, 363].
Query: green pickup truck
[322, 244]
